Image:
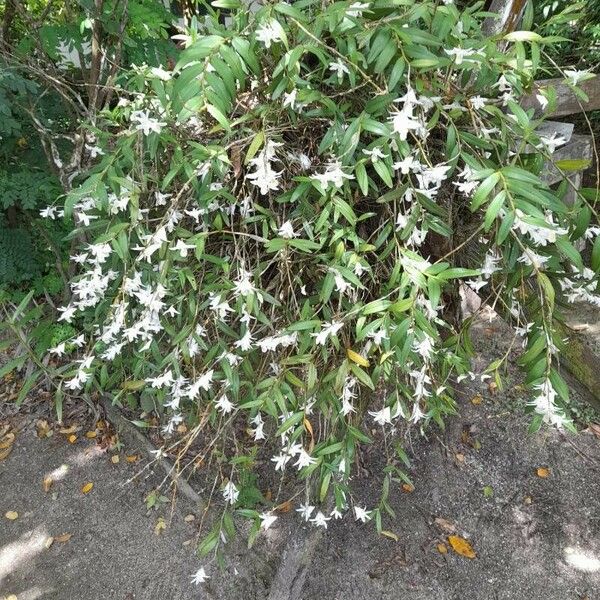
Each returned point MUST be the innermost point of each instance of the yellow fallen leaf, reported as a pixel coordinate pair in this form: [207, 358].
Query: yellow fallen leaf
[461, 546]
[72, 438]
[7, 441]
[131, 459]
[543, 472]
[476, 400]
[4, 453]
[42, 428]
[284, 506]
[47, 483]
[65, 537]
[407, 487]
[390, 534]
[87, 488]
[114, 459]
[357, 358]
[11, 515]
[90, 435]
[442, 548]
[160, 526]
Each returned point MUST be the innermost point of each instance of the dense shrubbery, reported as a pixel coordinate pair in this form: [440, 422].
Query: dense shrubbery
[274, 229]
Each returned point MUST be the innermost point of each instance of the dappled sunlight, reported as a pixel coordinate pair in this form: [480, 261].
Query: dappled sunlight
[58, 474]
[582, 561]
[27, 547]
[86, 455]
[34, 593]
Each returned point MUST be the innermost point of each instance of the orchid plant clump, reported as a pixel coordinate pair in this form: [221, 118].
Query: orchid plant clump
[278, 226]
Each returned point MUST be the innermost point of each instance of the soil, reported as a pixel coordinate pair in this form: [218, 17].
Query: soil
[535, 537]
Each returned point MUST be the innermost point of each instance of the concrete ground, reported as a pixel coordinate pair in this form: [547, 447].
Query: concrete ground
[114, 552]
[535, 537]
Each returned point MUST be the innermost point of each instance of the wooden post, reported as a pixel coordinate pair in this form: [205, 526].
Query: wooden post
[509, 16]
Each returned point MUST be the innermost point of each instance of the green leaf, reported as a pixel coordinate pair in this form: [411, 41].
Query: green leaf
[571, 164]
[362, 376]
[11, 365]
[26, 387]
[218, 116]
[484, 190]
[361, 177]
[569, 251]
[523, 36]
[290, 422]
[257, 141]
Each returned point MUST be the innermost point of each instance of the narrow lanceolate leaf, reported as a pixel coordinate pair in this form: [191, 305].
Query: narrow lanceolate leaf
[484, 190]
[257, 141]
[219, 116]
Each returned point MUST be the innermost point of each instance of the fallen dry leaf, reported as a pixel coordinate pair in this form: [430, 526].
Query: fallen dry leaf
[542, 472]
[42, 428]
[131, 459]
[160, 526]
[90, 435]
[189, 518]
[72, 439]
[4, 453]
[460, 457]
[87, 488]
[69, 430]
[47, 484]
[114, 459]
[442, 548]
[407, 487]
[7, 441]
[65, 537]
[284, 506]
[390, 534]
[11, 515]
[461, 546]
[445, 524]
[477, 400]
[593, 428]
[527, 500]
[48, 542]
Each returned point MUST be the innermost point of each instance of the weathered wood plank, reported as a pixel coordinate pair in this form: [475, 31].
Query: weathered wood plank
[579, 148]
[567, 103]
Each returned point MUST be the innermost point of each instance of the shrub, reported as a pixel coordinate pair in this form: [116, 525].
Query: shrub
[277, 230]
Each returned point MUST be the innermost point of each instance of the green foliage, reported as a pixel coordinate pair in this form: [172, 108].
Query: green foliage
[27, 189]
[19, 259]
[273, 230]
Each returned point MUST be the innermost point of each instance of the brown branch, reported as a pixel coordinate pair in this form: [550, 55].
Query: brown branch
[9, 15]
[107, 92]
[96, 61]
